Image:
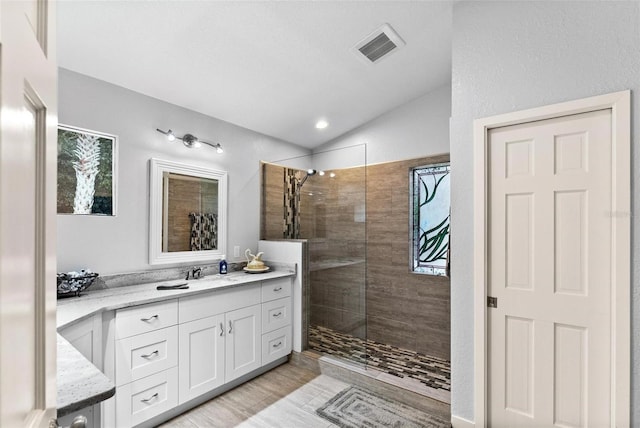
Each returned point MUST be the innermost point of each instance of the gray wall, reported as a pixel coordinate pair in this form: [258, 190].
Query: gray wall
[511, 56]
[120, 244]
[416, 129]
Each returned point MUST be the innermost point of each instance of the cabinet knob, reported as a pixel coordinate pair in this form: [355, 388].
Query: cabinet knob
[221, 329]
[149, 319]
[277, 345]
[230, 327]
[277, 315]
[79, 421]
[277, 289]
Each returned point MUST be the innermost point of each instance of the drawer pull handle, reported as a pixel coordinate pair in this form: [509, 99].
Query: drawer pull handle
[278, 315]
[277, 289]
[156, 352]
[146, 400]
[277, 345]
[221, 329]
[230, 327]
[149, 319]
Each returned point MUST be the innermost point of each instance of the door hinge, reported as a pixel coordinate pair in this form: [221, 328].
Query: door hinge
[492, 302]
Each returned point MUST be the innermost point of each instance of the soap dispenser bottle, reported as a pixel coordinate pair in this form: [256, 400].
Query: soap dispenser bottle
[223, 266]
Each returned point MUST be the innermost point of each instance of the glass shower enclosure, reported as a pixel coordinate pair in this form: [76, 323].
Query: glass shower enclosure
[321, 198]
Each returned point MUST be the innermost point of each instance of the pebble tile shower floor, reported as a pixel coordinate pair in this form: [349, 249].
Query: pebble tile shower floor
[405, 365]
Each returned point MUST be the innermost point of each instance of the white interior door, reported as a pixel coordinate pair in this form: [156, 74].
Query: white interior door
[549, 266]
[28, 150]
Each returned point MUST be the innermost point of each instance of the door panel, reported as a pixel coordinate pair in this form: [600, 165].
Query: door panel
[519, 365]
[201, 362]
[243, 345]
[28, 151]
[550, 269]
[570, 374]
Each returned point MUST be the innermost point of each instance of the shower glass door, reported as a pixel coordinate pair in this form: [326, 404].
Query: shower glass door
[325, 203]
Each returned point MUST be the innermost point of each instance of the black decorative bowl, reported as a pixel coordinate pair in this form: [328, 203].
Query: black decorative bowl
[69, 286]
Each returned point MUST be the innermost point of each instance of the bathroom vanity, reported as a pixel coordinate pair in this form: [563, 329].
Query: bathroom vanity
[169, 350]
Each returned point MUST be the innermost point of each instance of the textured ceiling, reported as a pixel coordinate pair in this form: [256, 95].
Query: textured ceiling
[273, 67]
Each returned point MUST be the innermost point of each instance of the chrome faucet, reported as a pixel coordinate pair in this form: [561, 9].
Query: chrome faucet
[195, 272]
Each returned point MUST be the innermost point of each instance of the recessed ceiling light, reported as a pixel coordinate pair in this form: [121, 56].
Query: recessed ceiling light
[321, 124]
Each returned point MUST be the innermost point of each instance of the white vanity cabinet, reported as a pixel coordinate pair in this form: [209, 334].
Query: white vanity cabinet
[276, 319]
[146, 359]
[86, 337]
[169, 356]
[219, 338]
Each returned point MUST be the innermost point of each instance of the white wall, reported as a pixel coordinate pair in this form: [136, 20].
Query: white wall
[120, 244]
[510, 56]
[415, 129]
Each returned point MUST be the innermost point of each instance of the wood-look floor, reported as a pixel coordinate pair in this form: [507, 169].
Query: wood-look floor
[285, 397]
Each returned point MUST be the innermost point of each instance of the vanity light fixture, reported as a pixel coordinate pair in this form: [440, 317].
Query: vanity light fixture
[189, 140]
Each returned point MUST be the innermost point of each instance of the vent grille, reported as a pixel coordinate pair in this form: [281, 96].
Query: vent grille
[378, 47]
[379, 44]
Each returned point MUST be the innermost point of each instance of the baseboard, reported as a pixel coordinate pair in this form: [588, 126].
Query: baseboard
[458, 422]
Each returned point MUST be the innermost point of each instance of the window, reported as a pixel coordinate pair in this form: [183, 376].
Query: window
[430, 218]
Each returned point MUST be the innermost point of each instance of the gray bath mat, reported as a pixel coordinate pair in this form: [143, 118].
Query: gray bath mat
[357, 408]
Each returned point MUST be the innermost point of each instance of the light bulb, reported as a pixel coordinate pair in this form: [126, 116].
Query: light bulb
[197, 144]
[170, 136]
[219, 148]
[321, 124]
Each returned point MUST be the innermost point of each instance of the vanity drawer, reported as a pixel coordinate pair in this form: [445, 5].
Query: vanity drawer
[143, 399]
[276, 289]
[145, 354]
[276, 344]
[146, 318]
[218, 302]
[276, 314]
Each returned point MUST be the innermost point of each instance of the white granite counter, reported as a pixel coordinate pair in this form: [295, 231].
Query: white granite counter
[80, 383]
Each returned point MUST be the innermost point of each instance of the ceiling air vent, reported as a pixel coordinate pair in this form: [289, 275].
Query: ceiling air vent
[379, 44]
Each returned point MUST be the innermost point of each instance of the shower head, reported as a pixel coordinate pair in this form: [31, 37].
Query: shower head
[310, 172]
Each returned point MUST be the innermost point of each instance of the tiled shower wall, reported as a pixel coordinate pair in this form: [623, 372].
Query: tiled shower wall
[400, 308]
[404, 309]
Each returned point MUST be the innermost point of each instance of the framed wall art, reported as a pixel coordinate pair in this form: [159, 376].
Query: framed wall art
[86, 172]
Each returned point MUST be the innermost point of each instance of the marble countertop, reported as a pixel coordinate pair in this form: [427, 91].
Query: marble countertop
[80, 383]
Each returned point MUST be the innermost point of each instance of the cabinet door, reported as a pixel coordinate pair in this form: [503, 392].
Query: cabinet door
[201, 361]
[243, 345]
[86, 337]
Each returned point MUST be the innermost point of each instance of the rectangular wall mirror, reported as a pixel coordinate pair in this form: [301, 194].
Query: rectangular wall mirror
[187, 213]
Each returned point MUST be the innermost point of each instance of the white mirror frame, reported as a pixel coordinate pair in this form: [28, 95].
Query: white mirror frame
[157, 168]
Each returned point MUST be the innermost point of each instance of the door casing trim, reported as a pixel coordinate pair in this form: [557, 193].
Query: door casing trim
[619, 103]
